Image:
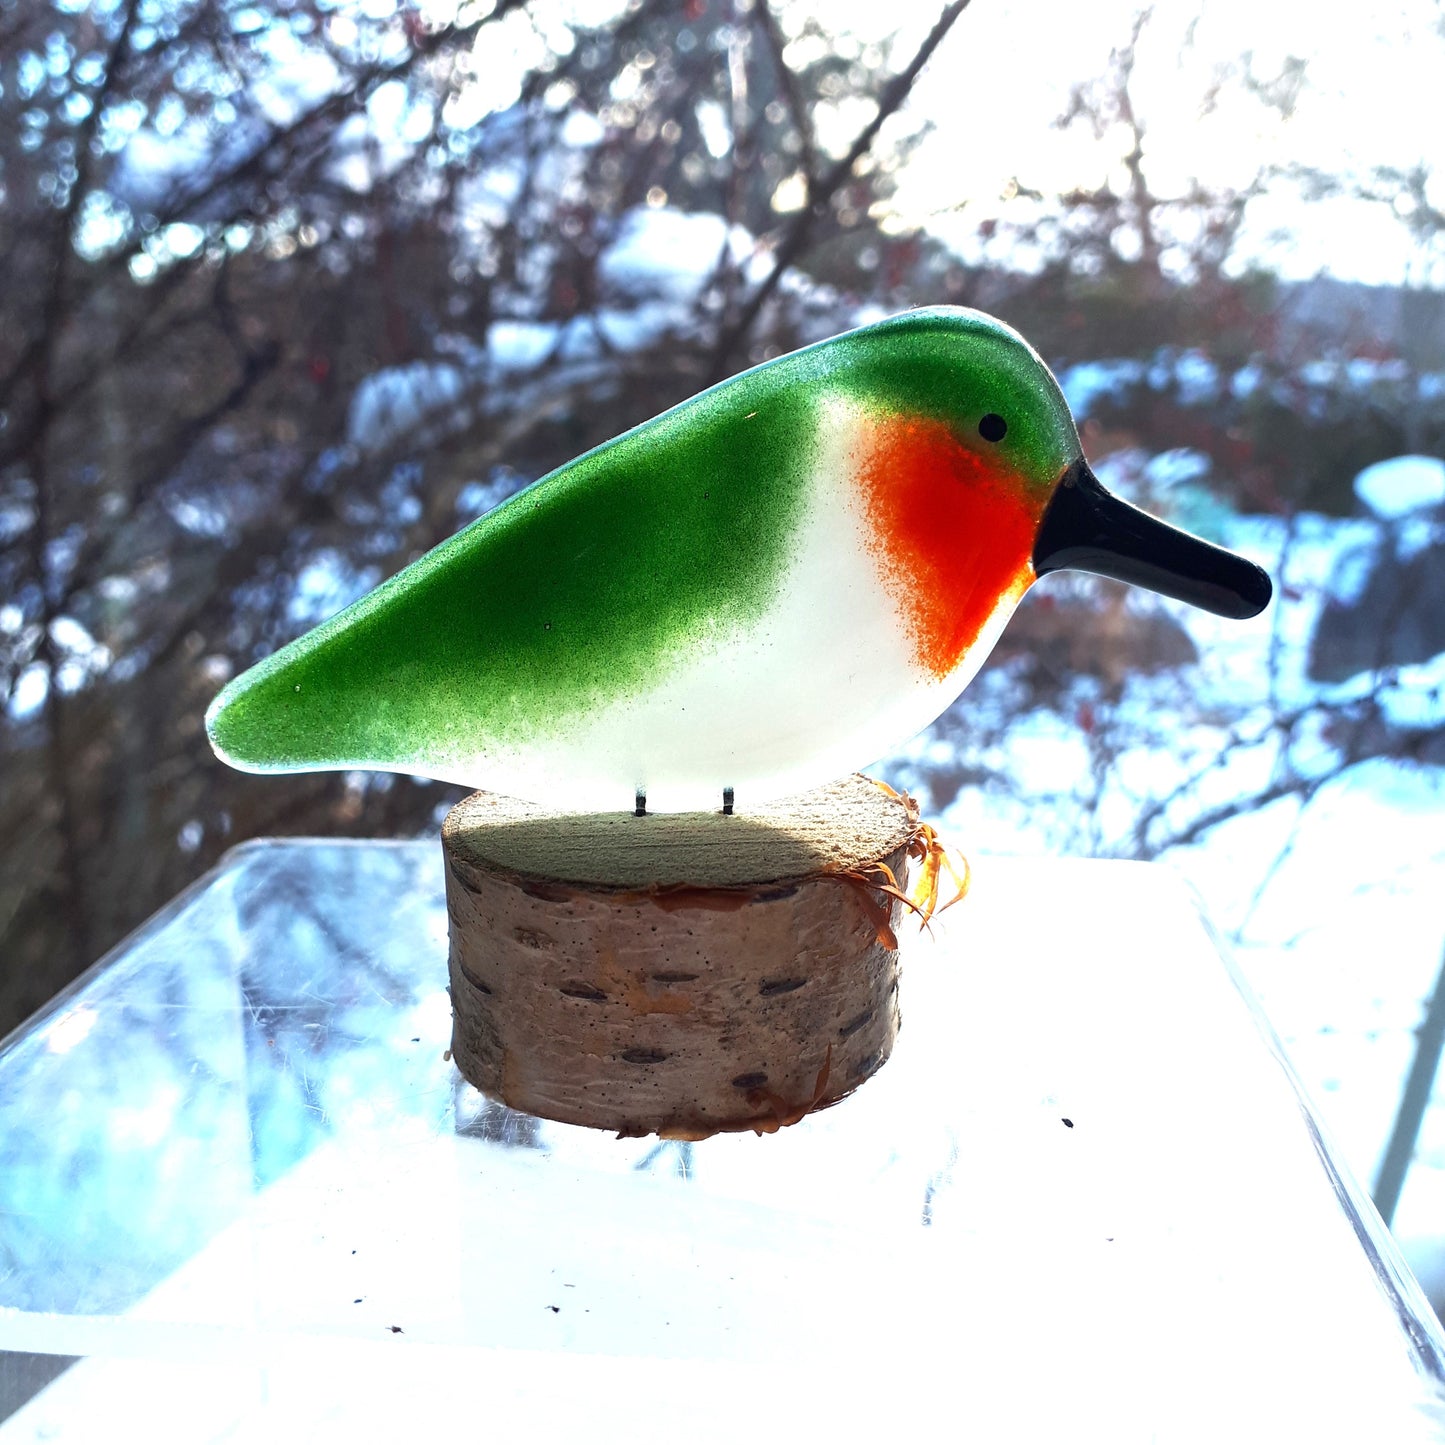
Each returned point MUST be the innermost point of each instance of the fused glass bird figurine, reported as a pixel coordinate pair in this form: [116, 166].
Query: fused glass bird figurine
[766, 587]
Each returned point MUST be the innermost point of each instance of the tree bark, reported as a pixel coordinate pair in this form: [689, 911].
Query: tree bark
[676, 974]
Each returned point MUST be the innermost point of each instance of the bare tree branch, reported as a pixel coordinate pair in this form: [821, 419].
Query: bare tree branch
[827, 185]
[57, 748]
[798, 113]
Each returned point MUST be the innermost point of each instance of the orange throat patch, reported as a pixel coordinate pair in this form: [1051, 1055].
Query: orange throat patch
[950, 531]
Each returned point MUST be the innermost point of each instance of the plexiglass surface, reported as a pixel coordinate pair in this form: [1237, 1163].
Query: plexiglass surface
[242, 1186]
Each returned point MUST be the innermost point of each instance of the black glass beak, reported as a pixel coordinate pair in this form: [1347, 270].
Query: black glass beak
[1090, 530]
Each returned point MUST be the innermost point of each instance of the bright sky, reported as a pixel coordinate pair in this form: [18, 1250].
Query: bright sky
[1372, 97]
[992, 92]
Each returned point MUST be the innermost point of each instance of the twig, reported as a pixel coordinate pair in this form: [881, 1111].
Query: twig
[1285, 853]
[822, 192]
[797, 107]
[1295, 787]
[52, 316]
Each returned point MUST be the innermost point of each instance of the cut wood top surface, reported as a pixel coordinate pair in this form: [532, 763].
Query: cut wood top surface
[829, 829]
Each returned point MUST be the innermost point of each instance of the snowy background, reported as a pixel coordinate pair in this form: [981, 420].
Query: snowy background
[1320, 860]
[292, 293]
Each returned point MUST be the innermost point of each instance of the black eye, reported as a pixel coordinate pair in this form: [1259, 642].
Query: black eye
[993, 428]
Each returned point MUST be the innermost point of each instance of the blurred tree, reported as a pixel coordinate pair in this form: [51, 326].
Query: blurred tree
[1145, 263]
[1125, 265]
[291, 291]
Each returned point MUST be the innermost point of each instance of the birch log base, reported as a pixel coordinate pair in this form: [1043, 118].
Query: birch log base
[676, 974]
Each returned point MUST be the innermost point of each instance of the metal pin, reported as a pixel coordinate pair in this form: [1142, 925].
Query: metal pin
[727, 802]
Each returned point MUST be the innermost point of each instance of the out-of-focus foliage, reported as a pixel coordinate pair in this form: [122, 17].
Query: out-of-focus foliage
[294, 288]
